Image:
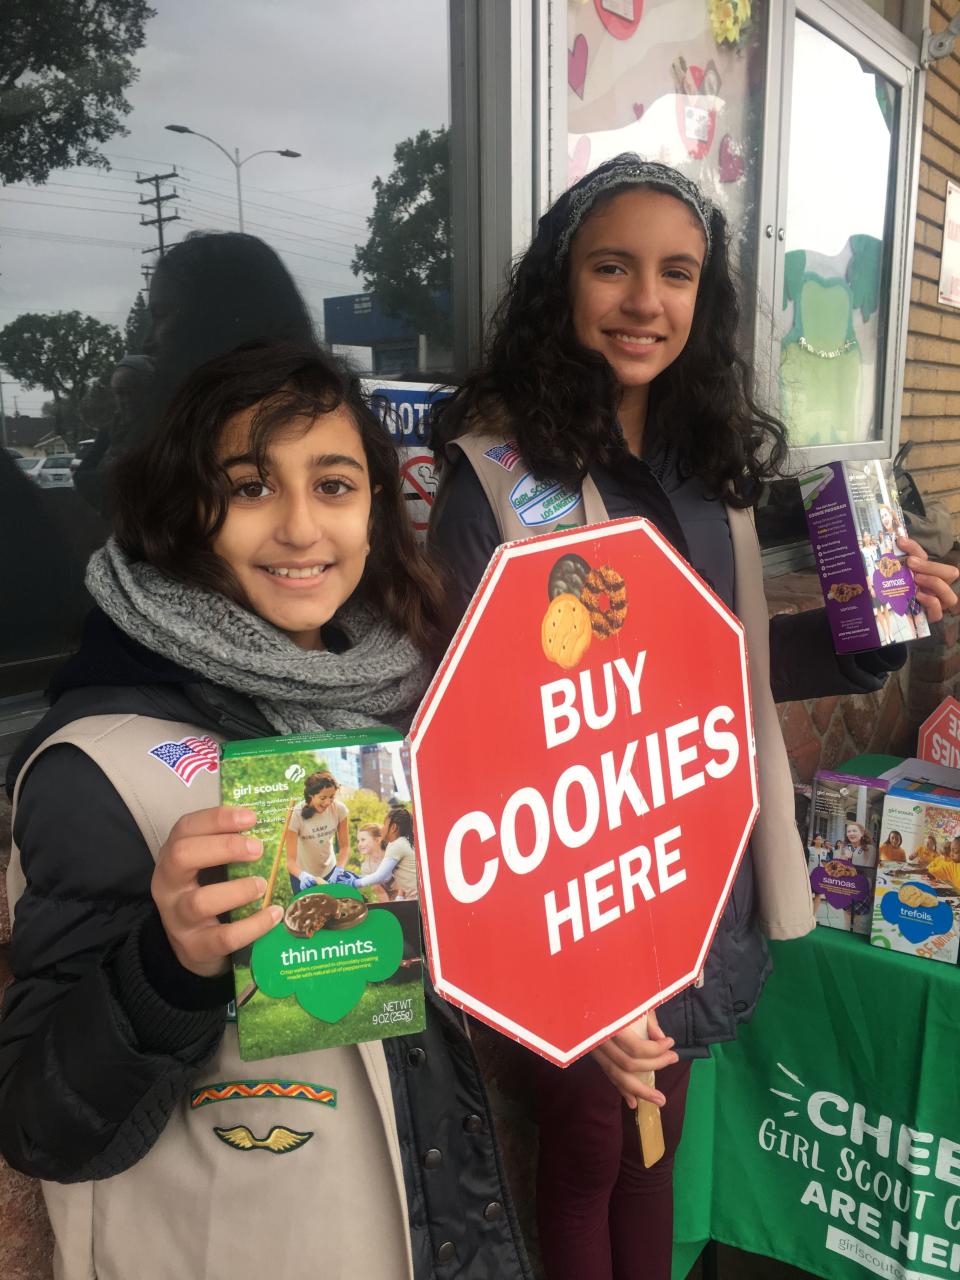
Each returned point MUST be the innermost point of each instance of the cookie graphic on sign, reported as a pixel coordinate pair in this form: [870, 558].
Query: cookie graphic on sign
[566, 632]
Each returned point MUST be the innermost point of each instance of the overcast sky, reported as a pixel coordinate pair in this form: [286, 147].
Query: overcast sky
[342, 82]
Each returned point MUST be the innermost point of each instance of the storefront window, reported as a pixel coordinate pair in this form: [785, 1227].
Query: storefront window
[174, 185]
[836, 266]
[679, 81]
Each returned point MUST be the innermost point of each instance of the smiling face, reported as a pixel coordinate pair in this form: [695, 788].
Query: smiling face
[635, 267]
[854, 833]
[367, 843]
[296, 539]
[321, 801]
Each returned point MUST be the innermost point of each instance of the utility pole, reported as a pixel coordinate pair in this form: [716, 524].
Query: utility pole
[157, 201]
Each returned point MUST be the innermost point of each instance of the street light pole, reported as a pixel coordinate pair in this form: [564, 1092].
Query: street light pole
[235, 159]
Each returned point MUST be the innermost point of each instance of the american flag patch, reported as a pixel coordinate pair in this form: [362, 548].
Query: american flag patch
[188, 757]
[506, 455]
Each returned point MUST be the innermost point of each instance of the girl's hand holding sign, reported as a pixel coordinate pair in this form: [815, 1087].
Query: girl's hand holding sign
[629, 1056]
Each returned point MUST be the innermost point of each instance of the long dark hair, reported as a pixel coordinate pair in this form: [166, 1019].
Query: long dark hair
[559, 400]
[322, 780]
[173, 494]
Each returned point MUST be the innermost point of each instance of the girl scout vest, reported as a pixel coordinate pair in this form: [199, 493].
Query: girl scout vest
[525, 506]
[286, 1166]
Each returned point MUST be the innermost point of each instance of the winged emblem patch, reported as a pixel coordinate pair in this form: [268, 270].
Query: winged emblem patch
[279, 1140]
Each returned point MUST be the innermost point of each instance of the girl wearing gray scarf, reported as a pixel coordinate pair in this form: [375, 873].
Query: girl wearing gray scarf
[263, 578]
[260, 543]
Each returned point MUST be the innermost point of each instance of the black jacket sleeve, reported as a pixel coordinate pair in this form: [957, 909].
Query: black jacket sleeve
[463, 534]
[804, 664]
[102, 1028]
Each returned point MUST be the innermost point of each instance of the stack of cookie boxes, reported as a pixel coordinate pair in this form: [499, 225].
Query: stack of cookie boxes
[917, 903]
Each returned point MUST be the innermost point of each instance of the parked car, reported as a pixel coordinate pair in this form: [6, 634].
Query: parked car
[83, 448]
[14, 453]
[49, 473]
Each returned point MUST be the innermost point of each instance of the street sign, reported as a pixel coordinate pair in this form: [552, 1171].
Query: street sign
[585, 785]
[939, 740]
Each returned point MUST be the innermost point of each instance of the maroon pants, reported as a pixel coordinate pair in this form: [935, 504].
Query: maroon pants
[600, 1214]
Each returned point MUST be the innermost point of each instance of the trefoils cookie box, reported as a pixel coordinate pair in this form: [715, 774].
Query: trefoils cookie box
[917, 902]
[854, 518]
[344, 963]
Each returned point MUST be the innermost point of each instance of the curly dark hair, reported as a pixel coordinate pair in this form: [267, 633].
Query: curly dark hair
[402, 819]
[559, 400]
[172, 494]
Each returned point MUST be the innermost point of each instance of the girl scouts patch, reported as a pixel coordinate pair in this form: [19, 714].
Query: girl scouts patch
[538, 502]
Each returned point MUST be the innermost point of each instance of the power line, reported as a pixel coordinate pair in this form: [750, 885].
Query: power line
[65, 237]
[309, 256]
[283, 213]
[70, 186]
[186, 170]
[280, 233]
[80, 208]
[318, 223]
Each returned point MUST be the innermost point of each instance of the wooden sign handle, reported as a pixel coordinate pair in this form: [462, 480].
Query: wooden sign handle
[649, 1125]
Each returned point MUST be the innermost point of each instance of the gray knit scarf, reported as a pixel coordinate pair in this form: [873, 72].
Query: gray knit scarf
[380, 678]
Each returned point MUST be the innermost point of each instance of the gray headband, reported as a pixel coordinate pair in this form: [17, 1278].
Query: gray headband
[628, 170]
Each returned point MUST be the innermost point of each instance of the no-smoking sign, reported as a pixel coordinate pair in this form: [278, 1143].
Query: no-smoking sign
[419, 485]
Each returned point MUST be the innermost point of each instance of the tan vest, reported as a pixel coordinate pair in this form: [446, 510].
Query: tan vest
[523, 509]
[203, 1202]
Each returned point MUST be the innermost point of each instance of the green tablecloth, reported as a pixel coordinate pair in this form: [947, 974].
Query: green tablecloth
[828, 1135]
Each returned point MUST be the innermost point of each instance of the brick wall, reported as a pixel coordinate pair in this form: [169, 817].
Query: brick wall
[931, 401]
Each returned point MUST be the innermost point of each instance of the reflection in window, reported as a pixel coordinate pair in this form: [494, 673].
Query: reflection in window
[836, 270]
[298, 194]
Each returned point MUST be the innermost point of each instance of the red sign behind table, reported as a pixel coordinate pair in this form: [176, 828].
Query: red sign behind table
[939, 740]
[584, 777]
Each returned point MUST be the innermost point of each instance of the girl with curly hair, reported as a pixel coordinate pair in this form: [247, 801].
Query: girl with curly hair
[262, 579]
[612, 386]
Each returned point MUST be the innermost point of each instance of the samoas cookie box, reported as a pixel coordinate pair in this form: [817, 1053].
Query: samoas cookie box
[854, 519]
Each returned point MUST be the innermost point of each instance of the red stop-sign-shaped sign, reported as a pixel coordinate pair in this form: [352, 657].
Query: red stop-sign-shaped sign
[939, 739]
[585, 784]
